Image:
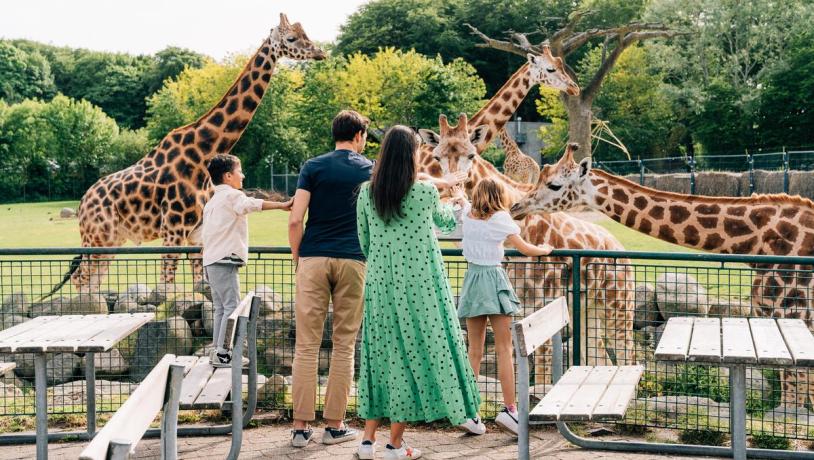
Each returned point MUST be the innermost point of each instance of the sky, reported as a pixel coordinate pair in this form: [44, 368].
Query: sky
[215, 28]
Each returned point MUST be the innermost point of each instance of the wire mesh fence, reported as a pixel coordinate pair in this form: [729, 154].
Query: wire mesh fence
[619, 302]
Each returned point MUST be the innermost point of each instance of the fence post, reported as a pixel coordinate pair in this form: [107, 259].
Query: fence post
[785, 170]
[271, 173]
[286, 178]
[576, 333]
[641, 172]
[692, 175]
[751, 162]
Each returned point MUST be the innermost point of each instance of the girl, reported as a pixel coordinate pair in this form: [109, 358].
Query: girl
[486, 293]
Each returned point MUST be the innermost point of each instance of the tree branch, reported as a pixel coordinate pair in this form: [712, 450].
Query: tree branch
[555, 41]
[575, 41]
[498, 44]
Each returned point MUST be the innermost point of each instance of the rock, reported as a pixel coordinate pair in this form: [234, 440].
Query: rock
[757, 386]
[208, 318]
[61, 367]
[733, 307]
[109, 363]
[672, 407]
[679, 294]
[202, 287]
[158, 295]
[24, 362]
[67, 213]
[16, 304]
[273, 389]
[139, 293]
[157, 338]
[270, 301]
[279, 359]
[82, 304]
[9, 320]
[490, 390]
[187, 305]
[646, 310]
[111, 298]
[74, 393]
[125, 305]
[8, 391]
[600, 431]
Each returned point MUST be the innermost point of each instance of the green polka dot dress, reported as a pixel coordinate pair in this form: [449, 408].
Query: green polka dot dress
[414, 365]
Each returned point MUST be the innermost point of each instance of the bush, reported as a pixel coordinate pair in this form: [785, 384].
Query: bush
[764, 440]
[704, 437]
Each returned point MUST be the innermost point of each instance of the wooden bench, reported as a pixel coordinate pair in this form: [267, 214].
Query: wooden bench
[584, 393]
[159, 391]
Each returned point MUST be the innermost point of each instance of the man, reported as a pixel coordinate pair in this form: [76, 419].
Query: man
[329, 266]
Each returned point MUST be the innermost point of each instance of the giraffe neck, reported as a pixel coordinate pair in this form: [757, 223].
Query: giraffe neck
[482, 169]
[762, 224]
[502, 105]
[509, 145]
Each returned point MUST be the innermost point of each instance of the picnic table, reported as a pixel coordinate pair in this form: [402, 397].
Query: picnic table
[736, 343]
[86, 334]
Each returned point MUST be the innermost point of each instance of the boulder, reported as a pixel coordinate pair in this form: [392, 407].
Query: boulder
[729, 307]
[646, 311]
[187, 305]
[672, 407]
[82, 304]
[67, 213]
[679, 294]
[274, 388]
[202, 287]
[75, 393]
[208, 318]
[279, 359]
[125, 304]
[109, 363]
[9, 392]
[139, 293]
[10, 320]
[270, 301]
[15, 304]
[61, 367]
[157, 338]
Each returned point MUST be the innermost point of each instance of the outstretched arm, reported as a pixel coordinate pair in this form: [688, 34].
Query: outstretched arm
[527, 248]
[281, 205]
[295, 222]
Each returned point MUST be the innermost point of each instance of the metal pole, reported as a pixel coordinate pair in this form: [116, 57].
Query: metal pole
[641, 172]
[692, 175]
[737, 409]
[90, 382]
[751, 162]
[522, 399]
[119, 449]
[286, 177]
[41, 406]
[576, 333]
[785, 171]
[169, 418]
[271, 173]
[237, 389]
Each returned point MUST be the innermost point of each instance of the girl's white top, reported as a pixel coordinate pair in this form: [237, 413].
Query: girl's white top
[483, 239]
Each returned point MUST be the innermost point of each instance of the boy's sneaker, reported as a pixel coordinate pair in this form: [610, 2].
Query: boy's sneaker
[366, 451]
[507, 421]
[473, 426]
[301, 438]
[404, 452]
[225, 360]
[337, 435]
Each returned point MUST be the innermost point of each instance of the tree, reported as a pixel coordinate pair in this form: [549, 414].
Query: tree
[169, 63]
[24, 75]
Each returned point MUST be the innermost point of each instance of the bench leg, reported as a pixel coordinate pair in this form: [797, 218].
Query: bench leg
[522, 400]
[40, 386]
[169, 417]
[737, 410]
[119, 450]
[90, 382]
[237, 390]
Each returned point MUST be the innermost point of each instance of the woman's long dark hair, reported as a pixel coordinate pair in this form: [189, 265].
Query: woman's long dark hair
[394, 172]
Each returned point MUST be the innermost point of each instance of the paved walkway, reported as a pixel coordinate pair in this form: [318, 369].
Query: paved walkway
[272, 442]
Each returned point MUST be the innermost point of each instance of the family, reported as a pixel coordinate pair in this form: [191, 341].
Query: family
[370, 250]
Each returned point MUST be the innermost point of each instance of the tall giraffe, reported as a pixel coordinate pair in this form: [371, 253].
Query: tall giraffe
[780, 225]
[608, 289]
[162, 195]
[517, 164]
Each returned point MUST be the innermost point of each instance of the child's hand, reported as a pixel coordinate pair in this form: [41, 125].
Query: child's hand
[286, 206]
[455, 178]
[545, 249]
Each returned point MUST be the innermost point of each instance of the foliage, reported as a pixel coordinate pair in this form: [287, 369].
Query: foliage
[763, 440]
[24, 75]
[704, 437]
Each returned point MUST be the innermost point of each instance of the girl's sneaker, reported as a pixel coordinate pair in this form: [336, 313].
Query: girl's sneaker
[473, 426]
[366, 451]
[404, 452]
[507, 420]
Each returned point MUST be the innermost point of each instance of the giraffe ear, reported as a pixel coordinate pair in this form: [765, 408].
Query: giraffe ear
[478, 135]
[429, 137]
[531, 58]
[584, 166]
[284, 21]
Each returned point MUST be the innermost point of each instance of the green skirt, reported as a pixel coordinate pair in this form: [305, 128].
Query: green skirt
[487, 291]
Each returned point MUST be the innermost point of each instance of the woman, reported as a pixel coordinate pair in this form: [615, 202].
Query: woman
[414, 365]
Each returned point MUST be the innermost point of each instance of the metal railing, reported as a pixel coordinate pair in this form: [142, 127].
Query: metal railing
[619, 303]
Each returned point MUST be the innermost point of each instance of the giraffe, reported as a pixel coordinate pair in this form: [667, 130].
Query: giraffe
[607, 302]
[780, 225]
[517, 164]
[162, 195]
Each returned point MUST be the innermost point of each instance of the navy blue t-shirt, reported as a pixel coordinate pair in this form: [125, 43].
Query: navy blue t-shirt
[333, 180]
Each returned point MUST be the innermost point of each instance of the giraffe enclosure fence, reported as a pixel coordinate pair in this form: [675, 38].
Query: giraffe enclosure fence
[683, 397]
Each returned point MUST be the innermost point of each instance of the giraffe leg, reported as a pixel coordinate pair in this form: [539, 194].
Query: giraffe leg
[169, 262]
[196, 259]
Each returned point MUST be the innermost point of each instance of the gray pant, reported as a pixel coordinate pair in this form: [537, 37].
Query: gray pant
[225, 297]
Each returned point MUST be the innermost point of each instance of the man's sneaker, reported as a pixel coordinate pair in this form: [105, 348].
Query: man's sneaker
[337, 435]
[301, 438]
[507, 421]
[473, 426]
[221, 360]
[404, 452]
[366, 451]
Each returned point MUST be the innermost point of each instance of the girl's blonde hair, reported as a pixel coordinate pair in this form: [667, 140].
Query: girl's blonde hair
[488, 197]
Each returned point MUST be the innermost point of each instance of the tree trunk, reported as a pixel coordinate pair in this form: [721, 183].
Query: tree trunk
[579, 124]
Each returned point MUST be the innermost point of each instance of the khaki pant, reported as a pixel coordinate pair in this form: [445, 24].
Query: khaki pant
[320, 279]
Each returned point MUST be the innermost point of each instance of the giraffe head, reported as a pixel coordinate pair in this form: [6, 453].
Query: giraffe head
[289, 40]
[547, 70]
[454, 148]
[562, 186]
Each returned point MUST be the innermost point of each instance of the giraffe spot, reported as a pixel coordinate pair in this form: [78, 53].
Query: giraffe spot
[666, 234]
[266, 77]
[175, 219]
[736, 210]
[167, 178]
[167, 144]
[130, 188]
[772, 289]
[645, 226]
[135, 203]
[507, 111]
[222, 103]
[736, 227]
[231, 107]
[807, 247]
[177, 206]
[144, 220]
[245, 83]
[708, 222]
[691, 235]
[787, 230]
[267, 66]
[200, 178]
[249, 103]
[189, 138]
[258, 91]
[745, 247]
[233, 92]
[258, 61]
[656, 212]
[192, 155]
[620, 195]
[146, 192]
[173, 154]
[761, 216]
[679, 214]
[707, 209]
[630, 220]
[515, 83]
[618, 209]
[226, 144]
[264, 50]
[617, 217]
[789, 212]
[255, 75]
[603, 190]
[640, 202]
[713, 241]
[206, 134]
[205, 146]
[777, 245]
[794, 299]
[216, 119]
[494, 108]
[506, 96]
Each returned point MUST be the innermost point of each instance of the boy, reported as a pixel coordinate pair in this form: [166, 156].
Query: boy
[226, 242]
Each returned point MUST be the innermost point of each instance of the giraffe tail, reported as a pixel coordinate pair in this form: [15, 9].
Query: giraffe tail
[74, 266]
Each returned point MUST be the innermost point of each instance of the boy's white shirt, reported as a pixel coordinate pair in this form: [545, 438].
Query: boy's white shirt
[225, 225]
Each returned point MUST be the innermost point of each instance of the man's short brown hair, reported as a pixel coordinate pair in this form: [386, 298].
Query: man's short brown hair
[347, 123]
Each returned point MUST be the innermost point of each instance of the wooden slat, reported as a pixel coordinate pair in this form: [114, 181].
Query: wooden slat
[737, 344]
[554, 402]
[216, 390]
[582, 403]
[195, 381]
[231, 322]
[187, 362]
[39, 338]
[799, 341]
[769, 344]
[120, 326]
[5, 367]
[705, 344]
[70, 336]
[36, 323]
[620, 392]
[535, 329]
[136, 414]
[675, 340]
